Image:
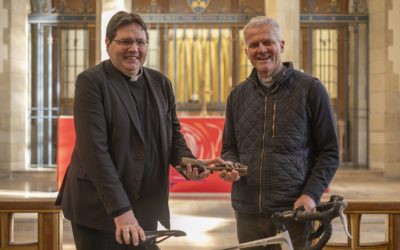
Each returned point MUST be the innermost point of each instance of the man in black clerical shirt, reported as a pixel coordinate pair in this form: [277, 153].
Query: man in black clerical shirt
[127, 135]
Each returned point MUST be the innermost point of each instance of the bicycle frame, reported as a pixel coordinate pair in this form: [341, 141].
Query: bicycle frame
[325, 213]
[282, 238]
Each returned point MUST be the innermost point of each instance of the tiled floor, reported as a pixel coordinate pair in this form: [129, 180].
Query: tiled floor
[207, 219]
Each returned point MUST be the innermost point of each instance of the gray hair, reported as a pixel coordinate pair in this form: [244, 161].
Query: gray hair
[260, 21]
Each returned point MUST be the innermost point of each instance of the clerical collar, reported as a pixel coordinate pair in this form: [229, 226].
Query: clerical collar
[269, 81]
[135, 77]
[266, 81]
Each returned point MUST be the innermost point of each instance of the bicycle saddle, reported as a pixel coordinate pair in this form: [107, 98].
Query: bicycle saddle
[152, 237]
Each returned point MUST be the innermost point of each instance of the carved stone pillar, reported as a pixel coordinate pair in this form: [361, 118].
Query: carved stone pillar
[287, 14]
[13, 85]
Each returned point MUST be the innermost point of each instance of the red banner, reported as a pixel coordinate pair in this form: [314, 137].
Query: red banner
[203, 136]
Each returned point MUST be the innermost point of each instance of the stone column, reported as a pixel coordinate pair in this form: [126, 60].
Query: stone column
[287, 14]
[13, 85]
[384, 72]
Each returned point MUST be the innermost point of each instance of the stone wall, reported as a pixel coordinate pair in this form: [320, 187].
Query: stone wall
[384, 70]
[13, 85]
[393, 75]
[287, 14]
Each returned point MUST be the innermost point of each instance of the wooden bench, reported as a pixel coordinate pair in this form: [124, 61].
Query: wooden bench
[49, 223]
[354, 212]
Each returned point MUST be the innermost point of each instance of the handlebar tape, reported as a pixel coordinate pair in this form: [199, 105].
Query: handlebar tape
[325, 213]
[312, 216]
[324, 239]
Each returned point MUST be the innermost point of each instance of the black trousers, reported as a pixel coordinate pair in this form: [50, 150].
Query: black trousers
[92, 239]
[257, 226]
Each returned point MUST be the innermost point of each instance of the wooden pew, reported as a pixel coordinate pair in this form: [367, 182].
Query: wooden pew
[354, 212]
[49, 223]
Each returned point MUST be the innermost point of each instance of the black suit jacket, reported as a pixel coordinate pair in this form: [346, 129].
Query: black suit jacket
[107, 162]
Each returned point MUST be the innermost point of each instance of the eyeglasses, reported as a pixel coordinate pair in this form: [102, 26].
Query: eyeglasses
[129, 42]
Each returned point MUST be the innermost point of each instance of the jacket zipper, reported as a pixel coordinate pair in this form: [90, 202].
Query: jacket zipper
[274, 120]
[262, 152]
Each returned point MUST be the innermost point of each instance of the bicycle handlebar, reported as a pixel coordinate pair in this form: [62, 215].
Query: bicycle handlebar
[242, 169]
[325, 213]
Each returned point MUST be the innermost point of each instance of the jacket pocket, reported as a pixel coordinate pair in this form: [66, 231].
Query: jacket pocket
[168, 127]
[274, 119]
[82, 175]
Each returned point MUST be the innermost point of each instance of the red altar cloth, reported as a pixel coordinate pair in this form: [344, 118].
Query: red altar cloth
[203, 136]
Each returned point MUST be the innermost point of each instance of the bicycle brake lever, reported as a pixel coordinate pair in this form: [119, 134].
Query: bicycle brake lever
[343, 219]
